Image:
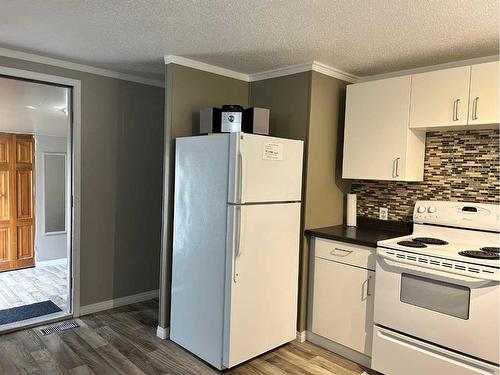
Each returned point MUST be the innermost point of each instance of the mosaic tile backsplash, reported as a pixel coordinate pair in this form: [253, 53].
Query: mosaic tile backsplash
[459, 166]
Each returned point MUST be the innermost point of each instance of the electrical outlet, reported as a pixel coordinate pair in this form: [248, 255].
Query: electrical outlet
[383, 213]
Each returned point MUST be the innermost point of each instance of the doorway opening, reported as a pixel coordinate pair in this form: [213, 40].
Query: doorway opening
[36, 184]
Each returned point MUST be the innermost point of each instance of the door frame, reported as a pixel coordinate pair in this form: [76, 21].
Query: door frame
[74, 155]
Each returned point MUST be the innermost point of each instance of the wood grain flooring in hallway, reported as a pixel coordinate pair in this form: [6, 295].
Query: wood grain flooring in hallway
[123, 341]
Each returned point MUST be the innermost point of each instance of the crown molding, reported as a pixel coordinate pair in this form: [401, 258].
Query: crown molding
[430, 68]
[280, 72]
[334, 72]
[315, 66]
[274, 73]
[79, 67]
[184, 61]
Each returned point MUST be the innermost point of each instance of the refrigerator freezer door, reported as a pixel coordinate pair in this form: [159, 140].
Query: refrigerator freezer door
[264, 169]
[261, 287]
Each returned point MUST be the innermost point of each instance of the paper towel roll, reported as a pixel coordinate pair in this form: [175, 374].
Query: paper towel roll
[351, 210]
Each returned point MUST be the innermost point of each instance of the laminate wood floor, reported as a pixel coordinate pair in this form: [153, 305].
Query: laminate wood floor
[31, 285]
[123, 341]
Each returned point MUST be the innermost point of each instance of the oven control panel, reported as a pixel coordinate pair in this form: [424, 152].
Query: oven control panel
[445, 265]
[458, 214]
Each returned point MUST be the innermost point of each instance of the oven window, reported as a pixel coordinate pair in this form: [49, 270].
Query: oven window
[435, 295]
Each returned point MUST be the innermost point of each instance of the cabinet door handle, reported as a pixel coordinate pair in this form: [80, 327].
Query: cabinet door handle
[474, 108]
[345, 252]
[368, 294]
[395, 167]
[455, 109]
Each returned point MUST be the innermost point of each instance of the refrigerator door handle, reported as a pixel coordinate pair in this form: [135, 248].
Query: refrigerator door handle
[237, 241]
[240, 177]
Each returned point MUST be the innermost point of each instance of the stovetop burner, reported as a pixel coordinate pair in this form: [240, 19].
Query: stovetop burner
[491, 249]
[412, 244]
[479, 254]
[430, 241]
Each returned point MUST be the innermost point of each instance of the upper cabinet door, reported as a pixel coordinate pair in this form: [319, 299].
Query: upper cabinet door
[440, 98]
[376, 129]
[484, 98]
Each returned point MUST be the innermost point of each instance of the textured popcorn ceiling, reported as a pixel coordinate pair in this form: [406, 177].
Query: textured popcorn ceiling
[362, 37]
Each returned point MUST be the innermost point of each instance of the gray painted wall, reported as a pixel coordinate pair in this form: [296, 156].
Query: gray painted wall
[325, 189]
[288, 99]
[187, 91]
[122, 153]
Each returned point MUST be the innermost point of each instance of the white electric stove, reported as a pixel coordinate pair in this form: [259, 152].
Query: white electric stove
[437, 293]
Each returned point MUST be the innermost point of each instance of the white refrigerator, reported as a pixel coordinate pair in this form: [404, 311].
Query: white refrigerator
[235, 245]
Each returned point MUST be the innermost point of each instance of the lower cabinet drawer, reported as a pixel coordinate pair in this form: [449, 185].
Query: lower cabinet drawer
[342, 304]
[394, 354]
[356, 255]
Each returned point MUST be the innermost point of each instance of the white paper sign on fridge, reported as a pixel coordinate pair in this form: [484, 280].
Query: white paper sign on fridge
[273, 151]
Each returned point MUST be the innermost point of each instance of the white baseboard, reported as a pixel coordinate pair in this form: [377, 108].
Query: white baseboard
[301, 336]
[163, 333]
[117, 302]
[339, 349]
[52, 262]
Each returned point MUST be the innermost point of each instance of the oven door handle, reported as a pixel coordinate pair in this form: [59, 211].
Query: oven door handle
[451, 274]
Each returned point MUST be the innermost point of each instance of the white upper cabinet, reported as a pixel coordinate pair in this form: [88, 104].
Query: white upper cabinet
[386, 120]
[440, 98]
[377, 142]
[484, 98]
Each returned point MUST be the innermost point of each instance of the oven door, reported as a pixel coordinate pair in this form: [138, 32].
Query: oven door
[454, 311]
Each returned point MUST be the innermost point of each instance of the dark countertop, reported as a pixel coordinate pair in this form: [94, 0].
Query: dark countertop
[367, 233]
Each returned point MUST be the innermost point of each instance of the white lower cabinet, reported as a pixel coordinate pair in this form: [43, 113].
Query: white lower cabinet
[342, 298]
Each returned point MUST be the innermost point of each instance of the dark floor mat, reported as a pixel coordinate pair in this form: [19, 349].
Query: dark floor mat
[34, 310]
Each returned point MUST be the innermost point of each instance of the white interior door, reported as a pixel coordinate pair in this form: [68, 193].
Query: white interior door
[261, 307]
[52, 191]
[270, 169]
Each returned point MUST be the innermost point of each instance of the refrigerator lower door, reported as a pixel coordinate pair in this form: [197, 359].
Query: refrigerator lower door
[264, 169]
[262, 285]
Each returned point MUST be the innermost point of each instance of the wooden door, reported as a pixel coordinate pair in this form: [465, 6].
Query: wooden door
[17, 217]
[440, 98]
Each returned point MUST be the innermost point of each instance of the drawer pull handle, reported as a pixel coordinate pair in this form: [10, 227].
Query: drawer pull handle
[344, 252]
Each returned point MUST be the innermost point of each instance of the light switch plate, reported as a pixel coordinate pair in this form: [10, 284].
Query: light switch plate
[383, 213]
